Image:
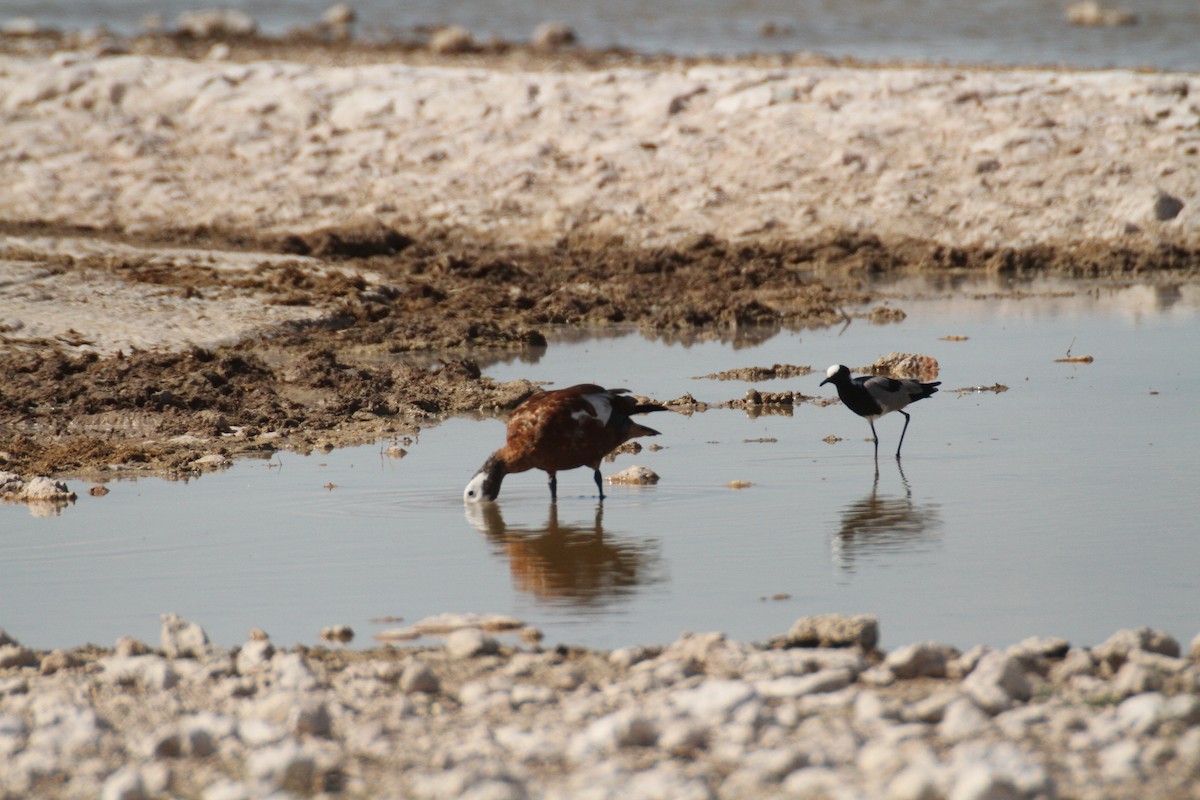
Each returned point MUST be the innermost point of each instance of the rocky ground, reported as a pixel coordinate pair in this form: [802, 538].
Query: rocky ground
[216, 247]
[818, 713]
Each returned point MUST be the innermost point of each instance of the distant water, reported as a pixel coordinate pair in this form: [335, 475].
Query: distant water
[1001, 32]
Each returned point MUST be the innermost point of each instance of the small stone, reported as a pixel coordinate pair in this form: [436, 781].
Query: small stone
[1141, 713]
[216, 23]
[182, 639]
[129, 646]
[1167, 207]
[1133, 678]
[626, 657]
[124, 784]
[337, 633]
[227, 790]
[150, 672]
[996, 682]
[1041, 647]
[339, 15]
[1119, 762]
[1090, 13]
[835, 630]
[470, 642]
[925, 660]
[292, 671]
[452, 40]
[962, 719]
[979, 782]
[58, 660]
[418, 677]
[1116, 648]
[255, 654]
[285, 766]
[634, 476]
[15, 655]
[43, 489]
[553, 36]
[258, 635]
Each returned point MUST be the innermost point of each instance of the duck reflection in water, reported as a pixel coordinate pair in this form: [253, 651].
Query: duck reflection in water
[882, 524]
[575, 563]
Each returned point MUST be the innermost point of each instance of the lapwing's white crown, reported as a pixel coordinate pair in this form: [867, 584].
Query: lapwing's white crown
[833, 370]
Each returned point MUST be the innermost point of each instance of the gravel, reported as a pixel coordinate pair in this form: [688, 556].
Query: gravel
[702, 717]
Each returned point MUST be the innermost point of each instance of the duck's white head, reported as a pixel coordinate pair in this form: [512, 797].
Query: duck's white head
[486, 483]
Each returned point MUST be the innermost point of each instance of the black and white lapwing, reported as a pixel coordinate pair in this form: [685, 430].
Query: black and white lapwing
[872, 396]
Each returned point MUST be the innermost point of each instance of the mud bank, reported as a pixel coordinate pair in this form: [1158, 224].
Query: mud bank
[305, 243]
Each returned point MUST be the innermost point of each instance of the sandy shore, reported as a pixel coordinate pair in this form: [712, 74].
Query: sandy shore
[205, 257]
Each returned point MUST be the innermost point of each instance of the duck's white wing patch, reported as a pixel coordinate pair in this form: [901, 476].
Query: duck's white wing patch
[601, 404]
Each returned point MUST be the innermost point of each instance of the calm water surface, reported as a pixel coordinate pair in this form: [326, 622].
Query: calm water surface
[978, 31]
[1066, 505]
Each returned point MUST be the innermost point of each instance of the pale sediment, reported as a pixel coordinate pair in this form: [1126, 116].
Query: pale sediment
[702, 717]
[957, 156]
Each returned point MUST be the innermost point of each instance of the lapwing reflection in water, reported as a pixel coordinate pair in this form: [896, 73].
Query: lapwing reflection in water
[562, 562]
[883, 525]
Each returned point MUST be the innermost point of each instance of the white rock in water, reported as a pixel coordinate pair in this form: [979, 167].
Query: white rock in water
[553, 35]
[634, 476]
[43, 489]
[339, 15]
[20, 26]
[451, 40]
[445, 623]
[182, 639]
[12, 486]
[1091, 13]
[215, 22]
[835, 630]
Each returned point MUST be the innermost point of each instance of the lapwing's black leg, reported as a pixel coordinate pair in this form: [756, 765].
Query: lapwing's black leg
[874, 436]
[906, 419]
[599, 483]
[553, 488]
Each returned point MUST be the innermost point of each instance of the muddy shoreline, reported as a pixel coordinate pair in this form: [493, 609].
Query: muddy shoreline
[219, 247]
[392, 341]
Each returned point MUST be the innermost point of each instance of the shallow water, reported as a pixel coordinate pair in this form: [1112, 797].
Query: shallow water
[1065, 506]
[982, 31]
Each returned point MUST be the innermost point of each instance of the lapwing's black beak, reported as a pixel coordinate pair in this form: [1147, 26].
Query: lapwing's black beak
[827, 380]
